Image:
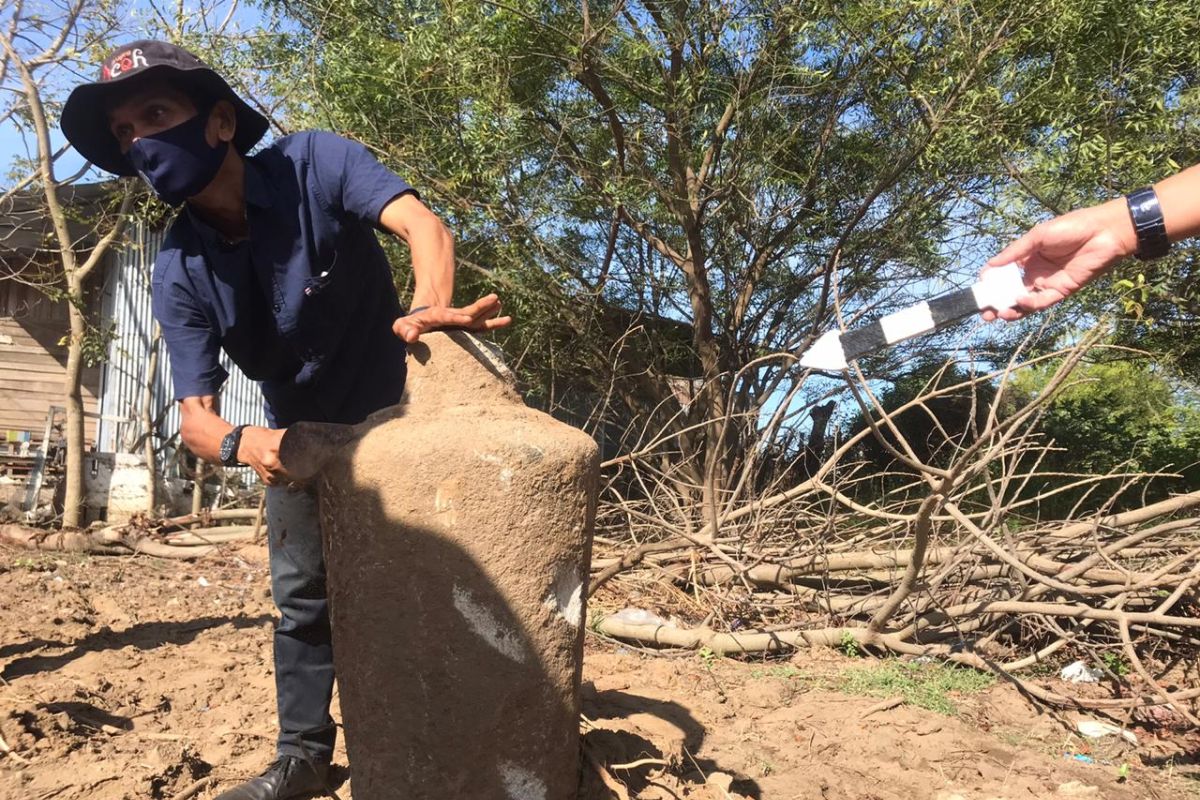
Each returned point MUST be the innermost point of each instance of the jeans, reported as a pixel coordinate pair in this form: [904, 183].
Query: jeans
[303, 642]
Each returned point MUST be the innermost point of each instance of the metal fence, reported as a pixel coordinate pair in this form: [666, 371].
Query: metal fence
[125, 310]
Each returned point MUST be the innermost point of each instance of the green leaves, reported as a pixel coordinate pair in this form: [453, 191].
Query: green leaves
[755, 158]
[1119, 415]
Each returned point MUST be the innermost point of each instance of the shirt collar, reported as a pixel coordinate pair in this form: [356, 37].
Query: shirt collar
[258, 194]
[213, 240]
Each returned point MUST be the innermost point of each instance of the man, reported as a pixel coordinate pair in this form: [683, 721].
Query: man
[274, 259]
[1061, 255]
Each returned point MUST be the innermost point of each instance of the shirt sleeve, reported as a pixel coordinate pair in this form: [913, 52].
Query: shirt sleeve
[193, 345]
[350, 179]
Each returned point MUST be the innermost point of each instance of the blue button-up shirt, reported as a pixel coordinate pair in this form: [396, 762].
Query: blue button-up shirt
[305, 304]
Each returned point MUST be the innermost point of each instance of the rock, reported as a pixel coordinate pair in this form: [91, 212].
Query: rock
[720, 780]
[929, 727]
[457, 532]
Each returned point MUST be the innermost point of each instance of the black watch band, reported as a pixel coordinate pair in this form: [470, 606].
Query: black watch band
[229, 446]
[1147, 216]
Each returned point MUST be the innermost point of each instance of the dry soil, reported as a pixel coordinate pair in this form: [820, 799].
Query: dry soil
[142, 678]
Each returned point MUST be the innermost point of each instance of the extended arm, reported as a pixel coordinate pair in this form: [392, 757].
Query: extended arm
[431, 245]
[1062, 255]
[432, 250]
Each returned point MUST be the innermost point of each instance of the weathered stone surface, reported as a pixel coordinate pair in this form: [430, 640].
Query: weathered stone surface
[458, 533]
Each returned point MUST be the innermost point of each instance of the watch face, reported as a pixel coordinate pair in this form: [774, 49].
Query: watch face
[227, 448]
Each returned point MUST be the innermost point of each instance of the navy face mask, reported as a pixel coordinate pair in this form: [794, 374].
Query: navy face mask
[178, 162]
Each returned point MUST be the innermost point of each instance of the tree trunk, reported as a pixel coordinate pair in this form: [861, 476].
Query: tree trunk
[73, 397]
[75, 273]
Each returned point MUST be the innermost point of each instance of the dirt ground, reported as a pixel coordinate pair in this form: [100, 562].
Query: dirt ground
[142, 678]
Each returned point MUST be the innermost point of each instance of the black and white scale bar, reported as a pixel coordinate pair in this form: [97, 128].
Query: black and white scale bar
[998, 289]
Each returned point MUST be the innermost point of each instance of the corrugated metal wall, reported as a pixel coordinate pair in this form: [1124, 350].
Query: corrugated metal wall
[126, 305]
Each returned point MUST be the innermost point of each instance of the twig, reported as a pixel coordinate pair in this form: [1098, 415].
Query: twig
[884, 705]
[195, 788]
[10, 753]
[609, 780]
[641, 762]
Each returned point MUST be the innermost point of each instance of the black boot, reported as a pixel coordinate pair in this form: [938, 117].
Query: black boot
[288, 777]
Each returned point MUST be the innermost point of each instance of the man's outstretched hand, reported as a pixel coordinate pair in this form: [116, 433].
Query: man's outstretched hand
[1060, 255]
[482, 315]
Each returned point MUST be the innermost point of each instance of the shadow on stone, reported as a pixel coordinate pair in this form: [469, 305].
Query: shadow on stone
[457, 535]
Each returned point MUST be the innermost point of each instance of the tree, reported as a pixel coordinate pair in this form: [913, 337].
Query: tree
[757, 170]
[1119, 414]
[40, 50]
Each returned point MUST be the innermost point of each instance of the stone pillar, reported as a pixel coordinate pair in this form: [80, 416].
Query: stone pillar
[458, 535]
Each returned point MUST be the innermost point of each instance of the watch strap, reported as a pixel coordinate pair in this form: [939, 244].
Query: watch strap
[234, 439]
[1148, 224]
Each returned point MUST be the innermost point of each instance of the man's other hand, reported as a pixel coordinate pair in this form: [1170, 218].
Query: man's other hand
[482, 315]
[259, 449]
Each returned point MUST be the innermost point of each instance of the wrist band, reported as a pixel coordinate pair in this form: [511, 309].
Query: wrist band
[1147, 216]
[412, 311]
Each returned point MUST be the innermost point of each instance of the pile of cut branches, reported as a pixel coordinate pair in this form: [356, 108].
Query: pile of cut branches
[953, 563]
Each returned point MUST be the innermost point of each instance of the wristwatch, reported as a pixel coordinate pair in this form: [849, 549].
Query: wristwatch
[229, 446]
[1147, 216]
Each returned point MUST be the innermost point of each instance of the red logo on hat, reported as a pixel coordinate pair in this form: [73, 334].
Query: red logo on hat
[123, 62]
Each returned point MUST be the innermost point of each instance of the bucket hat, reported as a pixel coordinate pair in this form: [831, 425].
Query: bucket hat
[85, 115]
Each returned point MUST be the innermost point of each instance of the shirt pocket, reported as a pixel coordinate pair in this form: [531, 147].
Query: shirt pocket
[326, 308]
[318, 284]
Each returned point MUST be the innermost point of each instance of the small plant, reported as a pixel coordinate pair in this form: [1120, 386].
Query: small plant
[786, 673]
[850, 646]
[1123, 773]
[1115, 664]
[1013, 738]
[707, 657]
[925, 685]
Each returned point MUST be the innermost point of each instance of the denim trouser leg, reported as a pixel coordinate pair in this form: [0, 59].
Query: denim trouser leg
[303, 644]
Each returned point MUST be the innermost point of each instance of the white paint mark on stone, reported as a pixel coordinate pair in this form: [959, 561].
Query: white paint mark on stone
[520, 783]
[485, 625]
[566, 597]
[506, 474]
